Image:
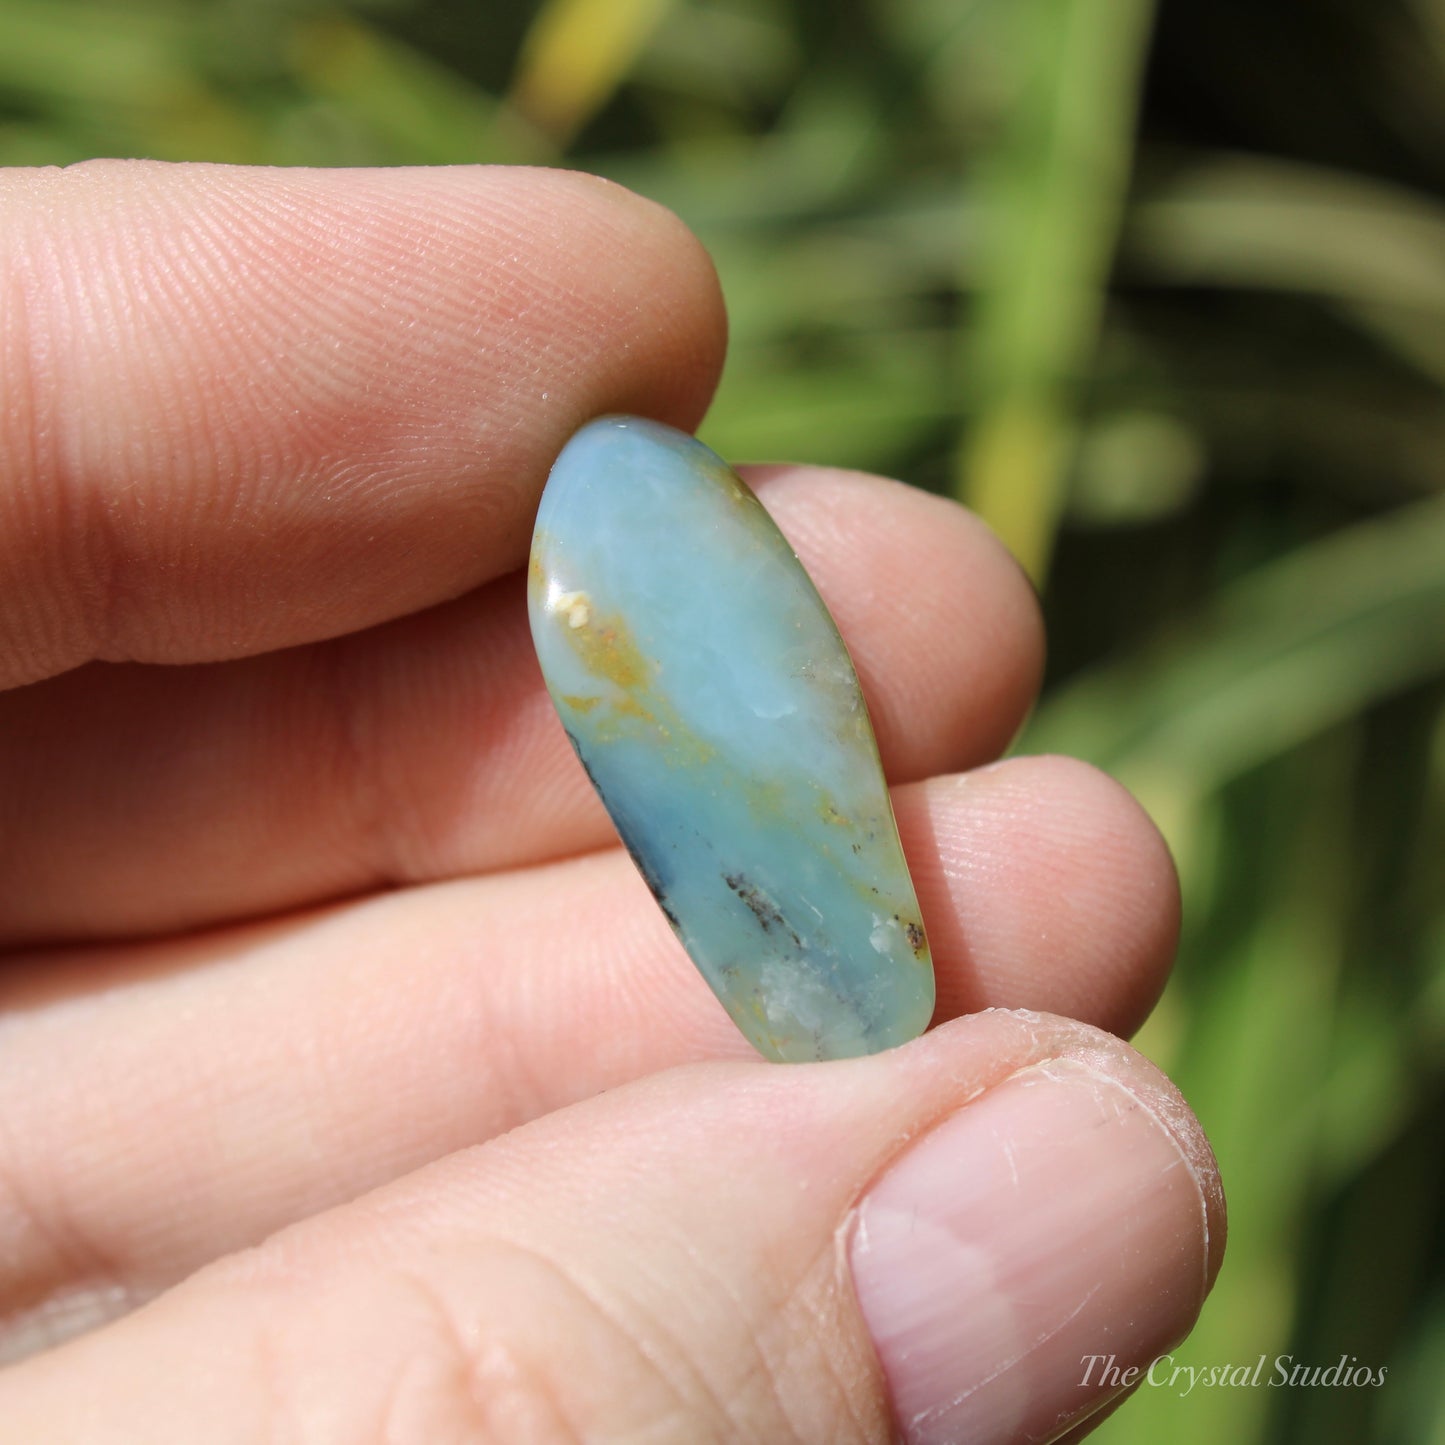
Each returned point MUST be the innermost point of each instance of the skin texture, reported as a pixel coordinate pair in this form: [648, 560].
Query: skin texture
[339, 1042]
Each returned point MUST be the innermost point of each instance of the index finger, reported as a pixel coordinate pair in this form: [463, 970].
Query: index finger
[244, 408]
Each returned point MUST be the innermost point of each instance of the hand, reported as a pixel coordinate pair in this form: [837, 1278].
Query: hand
[354, 1087]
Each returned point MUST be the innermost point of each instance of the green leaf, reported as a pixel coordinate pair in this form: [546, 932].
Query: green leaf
[1279, 656]
[1054, 195]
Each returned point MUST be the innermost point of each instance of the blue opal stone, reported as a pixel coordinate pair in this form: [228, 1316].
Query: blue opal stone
[716, 710]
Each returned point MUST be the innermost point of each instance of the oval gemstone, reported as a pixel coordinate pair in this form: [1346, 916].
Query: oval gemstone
[711, 700]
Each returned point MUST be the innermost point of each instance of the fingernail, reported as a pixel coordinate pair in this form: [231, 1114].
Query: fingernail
[1052, 1225]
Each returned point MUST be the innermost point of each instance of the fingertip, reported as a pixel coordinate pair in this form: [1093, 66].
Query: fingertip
[667, 261]
[928, 598]
[248, 408]
[1108, 838]
[1044, 885]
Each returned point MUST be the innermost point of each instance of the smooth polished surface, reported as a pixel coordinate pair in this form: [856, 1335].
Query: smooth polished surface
[717, 712]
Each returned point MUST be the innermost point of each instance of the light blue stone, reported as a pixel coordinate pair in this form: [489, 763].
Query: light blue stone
[711, 699]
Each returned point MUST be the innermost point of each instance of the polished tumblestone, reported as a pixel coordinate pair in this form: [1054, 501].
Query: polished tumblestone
[717, 712]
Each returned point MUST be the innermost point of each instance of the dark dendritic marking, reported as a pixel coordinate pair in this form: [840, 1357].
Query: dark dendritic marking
[586, 766]
[768, 914]
[658, 893]
[915, 936]
[655, 885]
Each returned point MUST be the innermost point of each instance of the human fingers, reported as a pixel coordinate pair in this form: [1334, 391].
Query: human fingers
[148, 800]
[172, 1101]
[249, 408]
[927, 1244]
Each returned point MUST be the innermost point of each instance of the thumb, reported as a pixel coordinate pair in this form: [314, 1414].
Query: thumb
[933, 1242]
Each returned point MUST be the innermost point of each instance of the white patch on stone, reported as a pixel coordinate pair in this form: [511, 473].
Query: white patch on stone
[576, 607]
[772, 712]
[791, 999]
[884, 937]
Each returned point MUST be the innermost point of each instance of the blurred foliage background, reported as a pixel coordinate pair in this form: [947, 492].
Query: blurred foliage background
[1159, 287]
